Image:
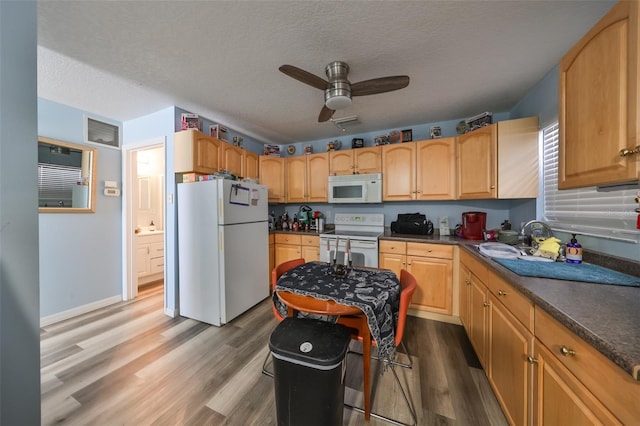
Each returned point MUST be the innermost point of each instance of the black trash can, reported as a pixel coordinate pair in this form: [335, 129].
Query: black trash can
[309, 365]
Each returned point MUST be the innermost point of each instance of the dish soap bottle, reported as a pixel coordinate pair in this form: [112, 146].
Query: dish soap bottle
[574, 251]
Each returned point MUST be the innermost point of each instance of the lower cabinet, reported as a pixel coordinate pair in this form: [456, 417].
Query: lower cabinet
[294, 246]
[431, 264]
[150, 257]
[540, 371]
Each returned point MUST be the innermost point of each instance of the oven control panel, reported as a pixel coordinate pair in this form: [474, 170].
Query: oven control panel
[368, 219]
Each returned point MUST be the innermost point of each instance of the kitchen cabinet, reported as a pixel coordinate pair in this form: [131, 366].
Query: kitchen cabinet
[422, 170]
[500, 328]
[563, 362]
[288, 247]
[307, 178]
[294, 246]
[355, 161]
[499, 161]
[599, 100]
[272, 175]
[196, 152]
[251, 165]
[232, 158]
[310, 247]
[430, 264]
[150, 257]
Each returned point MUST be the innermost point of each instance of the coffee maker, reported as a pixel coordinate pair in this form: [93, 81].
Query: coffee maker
[473, 224]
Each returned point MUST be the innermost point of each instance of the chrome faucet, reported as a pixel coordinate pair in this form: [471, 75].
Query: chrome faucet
[542, 230]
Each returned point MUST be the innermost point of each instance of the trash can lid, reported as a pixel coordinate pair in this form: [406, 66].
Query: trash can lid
[310, 342]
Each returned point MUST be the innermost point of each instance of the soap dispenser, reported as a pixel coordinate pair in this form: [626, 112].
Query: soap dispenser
[574, 251]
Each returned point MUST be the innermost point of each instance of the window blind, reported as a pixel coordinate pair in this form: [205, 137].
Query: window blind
[55, 184]
[585, 211]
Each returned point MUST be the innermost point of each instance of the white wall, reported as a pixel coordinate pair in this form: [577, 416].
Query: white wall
[19, 319]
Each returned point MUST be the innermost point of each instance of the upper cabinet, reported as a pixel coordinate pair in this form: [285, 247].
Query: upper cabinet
[232, 158]
[598, 103]
[423, 170]
[307, 178]
[272, 175]
[251, 164]
[499, 161]
[355, 161]
[196, 152]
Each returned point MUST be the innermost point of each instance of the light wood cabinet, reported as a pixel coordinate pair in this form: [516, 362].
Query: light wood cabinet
[232, 158]
[310, 247]
[196, 152]
[430, 264]
[307, 178]
[355, 161]
[599, 101]
[272, 175]
[294, 246]
[422, 170]
[150, 257]
[251, 165]
[614, 388]
[436, 169]
[499, 161]
[560, 395]
[399, 172]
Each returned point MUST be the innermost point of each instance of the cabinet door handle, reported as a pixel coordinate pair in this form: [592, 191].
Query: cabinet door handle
[532, 360]
[486, 304]
[502, 293]
[467, 281]
[629, 151]
[564, 351]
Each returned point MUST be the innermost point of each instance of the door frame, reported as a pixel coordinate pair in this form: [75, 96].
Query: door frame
[130, 194]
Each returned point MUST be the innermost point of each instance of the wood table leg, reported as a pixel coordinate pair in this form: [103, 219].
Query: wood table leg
[366, 367]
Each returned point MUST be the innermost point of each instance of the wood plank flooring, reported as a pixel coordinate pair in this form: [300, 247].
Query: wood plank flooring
[129, 364]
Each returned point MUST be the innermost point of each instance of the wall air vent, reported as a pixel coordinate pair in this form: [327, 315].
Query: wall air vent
[102, 133]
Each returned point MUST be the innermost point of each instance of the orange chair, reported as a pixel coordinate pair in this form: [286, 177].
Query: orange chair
[275, 274]
[408, 286]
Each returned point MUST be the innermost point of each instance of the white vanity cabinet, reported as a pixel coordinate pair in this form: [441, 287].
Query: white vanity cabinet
[150, 257]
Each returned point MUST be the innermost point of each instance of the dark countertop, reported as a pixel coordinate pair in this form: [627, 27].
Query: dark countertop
[605, 316]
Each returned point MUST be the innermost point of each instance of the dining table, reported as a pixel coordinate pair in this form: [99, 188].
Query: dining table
[365, 299]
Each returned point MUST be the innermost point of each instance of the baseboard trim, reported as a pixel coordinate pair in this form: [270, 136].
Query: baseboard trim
[434, 316]
[74, 312]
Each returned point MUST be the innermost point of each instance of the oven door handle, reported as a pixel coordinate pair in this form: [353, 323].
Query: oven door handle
[364, 244]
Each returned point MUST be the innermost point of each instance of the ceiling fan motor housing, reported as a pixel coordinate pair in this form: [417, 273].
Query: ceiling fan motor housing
[338, 94]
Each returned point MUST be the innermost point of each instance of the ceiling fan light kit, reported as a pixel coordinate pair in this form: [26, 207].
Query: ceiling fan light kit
[338, 90]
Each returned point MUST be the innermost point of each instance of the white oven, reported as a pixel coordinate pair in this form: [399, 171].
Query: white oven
[362, 231]
[364, 188]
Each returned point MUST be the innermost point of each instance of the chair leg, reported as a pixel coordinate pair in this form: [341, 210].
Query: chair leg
[264, 364]
[404, 396]
[394, 362]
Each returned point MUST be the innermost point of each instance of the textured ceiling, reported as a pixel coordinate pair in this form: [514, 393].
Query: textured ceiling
[126, 59]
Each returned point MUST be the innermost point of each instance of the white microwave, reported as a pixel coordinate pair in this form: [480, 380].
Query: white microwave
[365, 188]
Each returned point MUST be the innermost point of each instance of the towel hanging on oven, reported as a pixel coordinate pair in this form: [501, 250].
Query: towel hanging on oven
[412, 223]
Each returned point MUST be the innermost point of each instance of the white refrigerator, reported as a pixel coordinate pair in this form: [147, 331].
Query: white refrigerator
[223, 249]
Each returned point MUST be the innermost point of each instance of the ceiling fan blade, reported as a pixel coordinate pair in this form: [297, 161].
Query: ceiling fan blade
[379, 85]
[325, 114]
[304, 77]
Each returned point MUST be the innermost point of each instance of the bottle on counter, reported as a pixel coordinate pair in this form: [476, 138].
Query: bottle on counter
[574, 251]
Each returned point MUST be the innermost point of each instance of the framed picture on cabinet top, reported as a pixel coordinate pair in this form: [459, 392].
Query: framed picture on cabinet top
[406, 135]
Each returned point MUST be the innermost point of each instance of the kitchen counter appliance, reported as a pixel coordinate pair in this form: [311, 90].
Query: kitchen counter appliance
[362, 230]
[473, 225]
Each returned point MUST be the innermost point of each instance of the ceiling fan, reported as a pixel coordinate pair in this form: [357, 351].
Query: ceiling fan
[338, 90]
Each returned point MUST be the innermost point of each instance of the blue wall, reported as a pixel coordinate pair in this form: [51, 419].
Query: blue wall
[19, 319]
[80, 254]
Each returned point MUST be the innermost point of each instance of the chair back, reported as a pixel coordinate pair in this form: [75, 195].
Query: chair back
[408, 286]
[277, 272]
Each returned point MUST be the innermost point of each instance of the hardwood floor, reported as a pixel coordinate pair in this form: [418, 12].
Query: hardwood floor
[129, 364]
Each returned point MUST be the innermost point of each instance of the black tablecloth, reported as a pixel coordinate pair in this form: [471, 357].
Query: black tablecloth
[375, 291]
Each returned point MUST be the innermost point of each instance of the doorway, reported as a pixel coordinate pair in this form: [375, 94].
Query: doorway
[143, 216]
